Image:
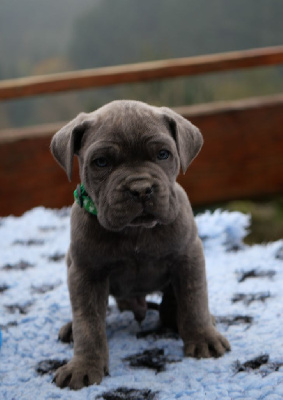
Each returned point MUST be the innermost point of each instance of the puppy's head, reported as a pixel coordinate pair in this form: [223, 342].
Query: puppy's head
[129, 156]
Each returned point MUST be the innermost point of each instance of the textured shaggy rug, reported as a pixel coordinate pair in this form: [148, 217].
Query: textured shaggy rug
[246, 296]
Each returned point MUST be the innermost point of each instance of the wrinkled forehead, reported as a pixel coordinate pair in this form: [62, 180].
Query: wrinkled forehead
[128, 123]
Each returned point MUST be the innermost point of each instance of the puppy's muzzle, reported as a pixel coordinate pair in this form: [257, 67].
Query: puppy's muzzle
[141, 191]
[140, 187]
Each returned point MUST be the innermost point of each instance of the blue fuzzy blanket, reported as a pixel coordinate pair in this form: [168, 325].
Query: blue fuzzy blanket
[246, 296]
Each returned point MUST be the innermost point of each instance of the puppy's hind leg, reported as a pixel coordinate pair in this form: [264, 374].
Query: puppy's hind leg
[168, 309]
[66, 333]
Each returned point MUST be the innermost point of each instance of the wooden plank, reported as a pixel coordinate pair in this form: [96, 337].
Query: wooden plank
[140, 72]
[241, 158]
[30, 177]
[35, 131]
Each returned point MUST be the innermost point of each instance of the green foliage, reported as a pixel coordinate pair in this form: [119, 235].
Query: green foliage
[266, 218]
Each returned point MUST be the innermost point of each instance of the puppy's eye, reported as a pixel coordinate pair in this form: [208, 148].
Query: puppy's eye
[101, 162]
[163, 155]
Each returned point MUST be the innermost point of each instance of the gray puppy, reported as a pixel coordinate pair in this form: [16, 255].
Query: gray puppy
[143, 238]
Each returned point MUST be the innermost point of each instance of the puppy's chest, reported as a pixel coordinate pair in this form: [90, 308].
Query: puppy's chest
[139, 275]
[139, 263]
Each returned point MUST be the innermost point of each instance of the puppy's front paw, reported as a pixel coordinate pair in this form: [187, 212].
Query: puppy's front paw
[208, 344]
[79, 373]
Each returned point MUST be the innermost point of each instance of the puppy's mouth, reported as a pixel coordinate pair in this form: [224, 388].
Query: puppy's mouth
[147, 220]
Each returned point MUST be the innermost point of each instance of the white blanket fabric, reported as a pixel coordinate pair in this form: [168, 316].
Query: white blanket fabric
[34, 303]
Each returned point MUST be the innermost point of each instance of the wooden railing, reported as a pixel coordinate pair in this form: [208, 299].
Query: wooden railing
[146, 71]
[241, 158]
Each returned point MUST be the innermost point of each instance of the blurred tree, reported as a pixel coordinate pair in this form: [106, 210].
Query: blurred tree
[131, 31]
[116, 32]
[33, 30]
[39, 37]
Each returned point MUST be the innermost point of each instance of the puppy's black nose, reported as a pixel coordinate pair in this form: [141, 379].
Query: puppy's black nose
[141, 191]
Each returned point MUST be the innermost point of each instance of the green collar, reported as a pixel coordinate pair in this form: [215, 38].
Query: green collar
[83, 200]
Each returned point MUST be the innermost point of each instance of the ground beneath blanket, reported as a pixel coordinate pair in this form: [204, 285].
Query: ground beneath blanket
[245, 292]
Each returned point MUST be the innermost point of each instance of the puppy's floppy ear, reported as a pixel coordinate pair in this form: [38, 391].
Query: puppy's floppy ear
[188, 138]
[67, 141]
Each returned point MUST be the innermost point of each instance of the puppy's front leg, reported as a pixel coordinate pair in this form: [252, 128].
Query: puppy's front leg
[89, 302]
[201, 339]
